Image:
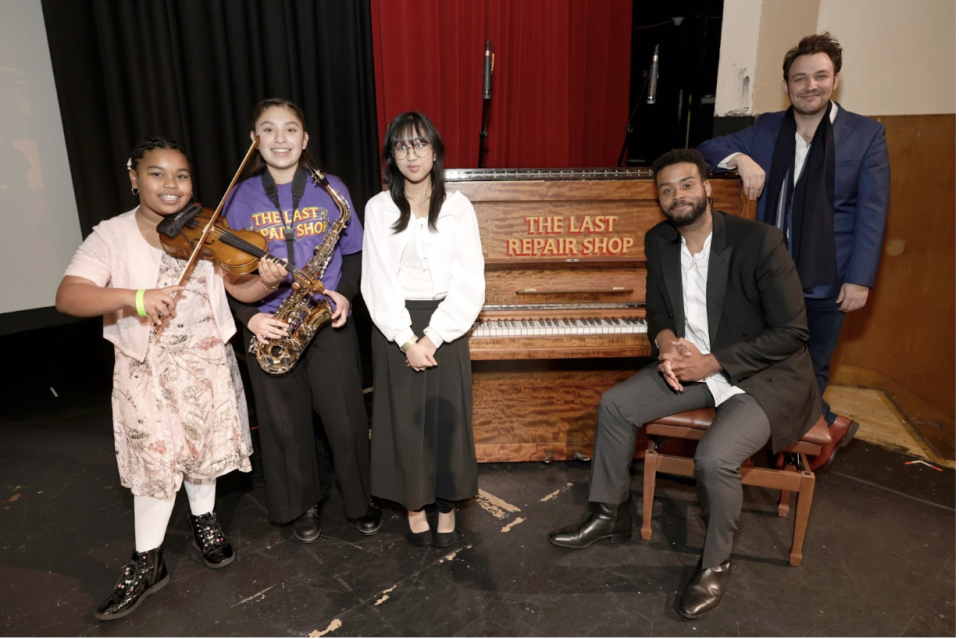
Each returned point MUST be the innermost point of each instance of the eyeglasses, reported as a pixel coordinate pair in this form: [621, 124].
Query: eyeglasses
[420, 149]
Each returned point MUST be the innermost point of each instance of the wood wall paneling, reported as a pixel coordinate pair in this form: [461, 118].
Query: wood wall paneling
[907, 331]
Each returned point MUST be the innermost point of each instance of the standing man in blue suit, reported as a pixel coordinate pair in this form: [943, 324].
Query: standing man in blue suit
[821, 175]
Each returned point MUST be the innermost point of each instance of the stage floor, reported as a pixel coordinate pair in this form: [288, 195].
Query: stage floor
[879, 558]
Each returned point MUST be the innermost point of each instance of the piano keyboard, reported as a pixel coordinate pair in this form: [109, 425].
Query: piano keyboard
[558, 327]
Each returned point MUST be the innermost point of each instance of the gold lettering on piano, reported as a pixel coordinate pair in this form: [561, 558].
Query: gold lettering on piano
[589, 225]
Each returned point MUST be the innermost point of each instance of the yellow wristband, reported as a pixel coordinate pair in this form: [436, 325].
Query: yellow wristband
[409, 344]
[141, 309]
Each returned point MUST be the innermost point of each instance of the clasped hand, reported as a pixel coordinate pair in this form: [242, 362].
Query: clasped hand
[682, 362]
[419, 357]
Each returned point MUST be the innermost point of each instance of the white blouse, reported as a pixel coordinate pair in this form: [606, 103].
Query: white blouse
[453, 256]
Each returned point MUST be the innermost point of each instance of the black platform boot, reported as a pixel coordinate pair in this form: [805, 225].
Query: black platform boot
[144, 574]
[604, 521]
[209, 539]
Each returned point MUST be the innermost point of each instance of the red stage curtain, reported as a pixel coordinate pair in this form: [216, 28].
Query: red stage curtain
[560, 83]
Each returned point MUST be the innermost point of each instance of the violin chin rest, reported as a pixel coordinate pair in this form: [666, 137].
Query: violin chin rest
[173, 224]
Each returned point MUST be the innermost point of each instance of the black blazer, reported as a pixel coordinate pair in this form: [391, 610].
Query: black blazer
[757, 316]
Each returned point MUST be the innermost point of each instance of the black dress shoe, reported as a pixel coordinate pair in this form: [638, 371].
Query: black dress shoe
[307, 527]
[372, 521]
[705, 590]
[144, 574]
[209, 539]
[604, 521]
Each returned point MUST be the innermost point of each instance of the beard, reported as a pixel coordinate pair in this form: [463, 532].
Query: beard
[690, 217]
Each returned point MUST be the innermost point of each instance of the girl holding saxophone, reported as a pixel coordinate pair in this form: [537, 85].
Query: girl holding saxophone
[281, 201]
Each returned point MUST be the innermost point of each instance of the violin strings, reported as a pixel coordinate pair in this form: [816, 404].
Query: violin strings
[241, 244]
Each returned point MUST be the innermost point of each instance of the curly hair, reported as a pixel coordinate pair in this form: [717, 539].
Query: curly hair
[678, 156]
[823, 42]
[148, 144]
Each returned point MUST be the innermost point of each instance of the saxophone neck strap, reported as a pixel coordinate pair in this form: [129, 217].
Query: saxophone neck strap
[299, 187]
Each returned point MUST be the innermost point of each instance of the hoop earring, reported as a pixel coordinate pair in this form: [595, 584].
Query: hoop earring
[135, 191]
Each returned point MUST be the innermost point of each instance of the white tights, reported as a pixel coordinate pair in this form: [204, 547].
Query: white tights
[151, 516]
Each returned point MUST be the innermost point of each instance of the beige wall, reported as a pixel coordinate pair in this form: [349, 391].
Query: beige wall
[899, 56]
[739, 43]
[782, 25]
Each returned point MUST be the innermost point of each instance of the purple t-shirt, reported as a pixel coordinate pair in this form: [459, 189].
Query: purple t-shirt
[250, 209]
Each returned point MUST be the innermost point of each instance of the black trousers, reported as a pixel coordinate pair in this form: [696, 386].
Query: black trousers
[327, 379]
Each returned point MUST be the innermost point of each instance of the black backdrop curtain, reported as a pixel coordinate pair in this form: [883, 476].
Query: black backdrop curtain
[192, 71]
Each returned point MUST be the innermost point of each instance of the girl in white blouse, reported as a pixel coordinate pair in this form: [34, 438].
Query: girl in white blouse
[423, 283]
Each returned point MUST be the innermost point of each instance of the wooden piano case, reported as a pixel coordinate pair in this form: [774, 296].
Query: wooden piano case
[560, 244]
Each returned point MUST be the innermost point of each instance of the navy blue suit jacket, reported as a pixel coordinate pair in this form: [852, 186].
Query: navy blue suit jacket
[862, 187]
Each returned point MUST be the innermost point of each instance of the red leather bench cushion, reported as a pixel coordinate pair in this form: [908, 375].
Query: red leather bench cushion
[701, 418]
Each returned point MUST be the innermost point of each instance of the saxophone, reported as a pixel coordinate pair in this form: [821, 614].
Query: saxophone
[300, 310]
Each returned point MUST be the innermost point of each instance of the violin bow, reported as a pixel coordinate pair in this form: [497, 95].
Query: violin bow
[209, 227]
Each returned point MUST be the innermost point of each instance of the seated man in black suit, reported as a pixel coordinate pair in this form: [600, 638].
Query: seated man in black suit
[726, 311]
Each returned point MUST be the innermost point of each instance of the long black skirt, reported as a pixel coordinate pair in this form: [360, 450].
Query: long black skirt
[422, 421]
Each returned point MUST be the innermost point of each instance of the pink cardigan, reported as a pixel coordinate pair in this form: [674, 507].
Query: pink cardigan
[117, 255]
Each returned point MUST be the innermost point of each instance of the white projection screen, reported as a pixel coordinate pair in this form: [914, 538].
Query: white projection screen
[41, 229]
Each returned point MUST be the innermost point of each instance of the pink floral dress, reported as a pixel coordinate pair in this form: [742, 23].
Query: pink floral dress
[182, 411]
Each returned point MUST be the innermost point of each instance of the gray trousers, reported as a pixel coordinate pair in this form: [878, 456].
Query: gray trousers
[740, 429]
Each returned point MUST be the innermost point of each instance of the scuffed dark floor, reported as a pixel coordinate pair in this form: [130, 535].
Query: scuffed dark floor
[879, 556]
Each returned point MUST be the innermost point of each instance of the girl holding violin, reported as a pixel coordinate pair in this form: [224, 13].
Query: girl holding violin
[281, 201]
[179, 411]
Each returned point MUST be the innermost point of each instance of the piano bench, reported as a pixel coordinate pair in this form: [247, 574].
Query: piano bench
[785, 477]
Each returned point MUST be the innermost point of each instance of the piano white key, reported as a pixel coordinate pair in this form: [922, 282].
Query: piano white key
[559, 327]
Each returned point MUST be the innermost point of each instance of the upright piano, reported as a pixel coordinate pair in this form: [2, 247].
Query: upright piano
[564, 318]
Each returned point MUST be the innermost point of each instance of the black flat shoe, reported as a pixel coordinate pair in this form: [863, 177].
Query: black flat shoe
[442, 540]
[419, 539]
[307, 527]
[372, 521]
[604, 521]
[705, 590]
[209, 539]
[143, 575]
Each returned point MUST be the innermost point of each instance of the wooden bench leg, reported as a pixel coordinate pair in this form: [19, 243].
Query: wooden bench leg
[784, 495]
[649, 491]
[807, 484]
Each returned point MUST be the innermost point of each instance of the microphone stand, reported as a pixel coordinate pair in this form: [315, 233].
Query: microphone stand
[483, 134]
[629, 123]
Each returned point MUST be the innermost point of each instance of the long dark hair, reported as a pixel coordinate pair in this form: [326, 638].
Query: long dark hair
[407, 127]
[257, 164]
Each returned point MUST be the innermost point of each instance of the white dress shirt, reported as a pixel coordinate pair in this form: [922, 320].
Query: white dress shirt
[695, 269]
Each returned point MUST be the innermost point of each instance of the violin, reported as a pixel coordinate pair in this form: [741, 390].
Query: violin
[215, 240]
[236, 252]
